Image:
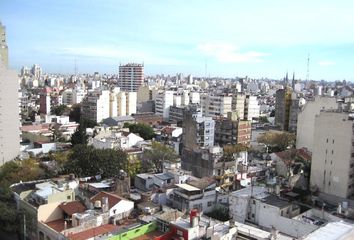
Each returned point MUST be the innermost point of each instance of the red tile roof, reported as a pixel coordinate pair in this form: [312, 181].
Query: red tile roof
[72, 207]
[93, 232]
[59, 225]
[112, 198]
[168, 130]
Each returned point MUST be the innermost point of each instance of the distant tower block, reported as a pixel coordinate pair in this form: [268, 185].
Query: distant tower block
[131, 77]
[4, 53]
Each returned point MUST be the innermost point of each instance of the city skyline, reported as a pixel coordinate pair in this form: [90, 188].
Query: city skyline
[258, 39]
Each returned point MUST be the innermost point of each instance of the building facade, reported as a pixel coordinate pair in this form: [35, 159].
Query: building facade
[306, 120]
[4, 52]
[332, 166]
[131, 77]
[9, 117]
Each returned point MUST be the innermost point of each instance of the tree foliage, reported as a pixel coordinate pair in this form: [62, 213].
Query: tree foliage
[75, 113]
[145, 131]
[10, 173]
[277, 142]
[153, 159]
[79, 137]
[87, 161]
[59, 110]
[231, 149]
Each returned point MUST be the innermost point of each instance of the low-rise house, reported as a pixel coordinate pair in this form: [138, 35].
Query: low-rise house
[118, 207]
[107, 139]
[256, 206]
[195, 194]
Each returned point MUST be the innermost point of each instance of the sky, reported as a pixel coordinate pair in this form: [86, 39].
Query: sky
[226, 38]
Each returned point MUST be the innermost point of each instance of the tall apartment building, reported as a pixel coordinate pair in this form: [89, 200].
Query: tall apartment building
[306, 119]
[252, 108]
[4, 52]
[282, 108]
[332, 166]
[9, 117]
[238, 104]
[36, 71]
[131, 77]
[45, 100]
[95, 105]
[216, 105]
[232, 130]
[198, 131]
[163, 101]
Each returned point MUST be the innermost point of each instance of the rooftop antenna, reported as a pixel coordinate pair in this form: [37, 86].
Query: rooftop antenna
[75, 69]
[308, 68]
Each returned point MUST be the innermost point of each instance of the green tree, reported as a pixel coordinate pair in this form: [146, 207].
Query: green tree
[145, 131]
[277, 142]
[231, 149]
[10, 173]
[87, 161]
[75, 113]
[59, 110]
[153, 159]
[79, 137]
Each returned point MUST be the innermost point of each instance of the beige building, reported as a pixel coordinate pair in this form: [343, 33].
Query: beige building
[238, 104]
[306, 119]
[332, 167]
[216, 105]
[4, 52]
[10, 115]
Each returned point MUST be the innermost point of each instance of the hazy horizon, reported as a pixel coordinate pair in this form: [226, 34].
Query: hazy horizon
[217, 38]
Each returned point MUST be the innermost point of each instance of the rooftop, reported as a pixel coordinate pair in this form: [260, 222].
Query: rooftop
[333, 231]
[255, 191]
[275, 201]
[93, 232]
[112, 198]
[72, 207]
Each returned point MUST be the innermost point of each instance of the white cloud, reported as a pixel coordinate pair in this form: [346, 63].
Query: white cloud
[326, 63]
[228, 53]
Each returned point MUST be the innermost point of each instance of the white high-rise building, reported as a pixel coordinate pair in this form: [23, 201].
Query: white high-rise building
[36, 71]
[131, 102]
[194, 97]
[122, 103]
[3, 46]
[9, 117]
[216, 105]
[332, 165]
[67, 97]
[96, 104]
[252, 108]
[164, 100]
[131, 77]
[238, 104]
[78, 95]
[306, 119]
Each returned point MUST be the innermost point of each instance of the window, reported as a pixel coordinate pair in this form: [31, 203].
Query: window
[332, 152]
[210, 204]
[68, 197]
[327, 140]
[326, 151]
[179, 233]
[333, 141]
[329, 183]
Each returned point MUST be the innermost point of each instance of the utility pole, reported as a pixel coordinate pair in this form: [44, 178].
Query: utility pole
[24, 226]
[308, 68]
